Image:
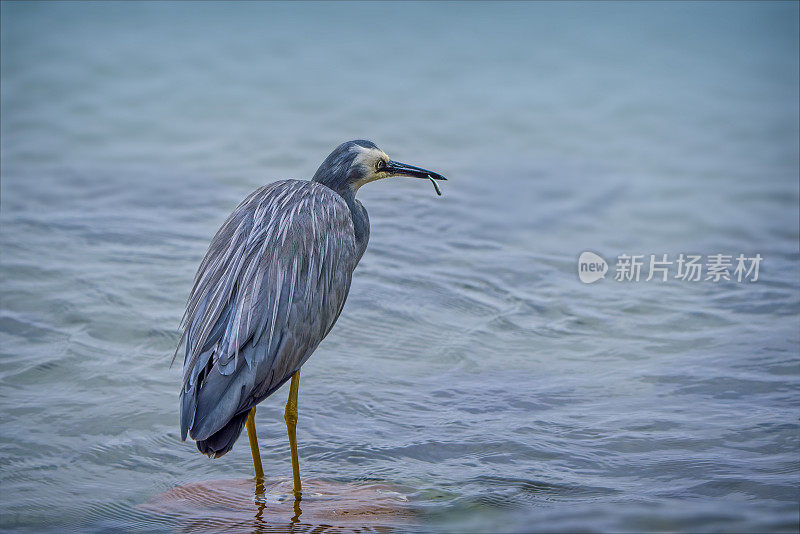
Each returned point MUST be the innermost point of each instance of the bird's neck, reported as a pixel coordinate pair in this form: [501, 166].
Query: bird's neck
[360, 219]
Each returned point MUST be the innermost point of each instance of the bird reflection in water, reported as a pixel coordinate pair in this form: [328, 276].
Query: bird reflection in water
[326, 506]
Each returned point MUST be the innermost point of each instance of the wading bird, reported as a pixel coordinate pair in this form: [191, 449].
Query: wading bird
[269, 289]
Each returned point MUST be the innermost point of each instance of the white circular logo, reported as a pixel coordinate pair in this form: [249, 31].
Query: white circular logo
[591, 267]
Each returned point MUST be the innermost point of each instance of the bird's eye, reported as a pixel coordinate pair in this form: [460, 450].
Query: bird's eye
[380, 165]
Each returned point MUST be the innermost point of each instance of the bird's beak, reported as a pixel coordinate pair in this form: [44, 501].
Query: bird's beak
[395, 168]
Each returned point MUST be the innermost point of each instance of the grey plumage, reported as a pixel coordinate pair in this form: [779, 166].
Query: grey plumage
[269, 289]
[271, 285]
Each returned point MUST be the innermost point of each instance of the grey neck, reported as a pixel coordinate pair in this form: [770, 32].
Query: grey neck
[360, 219]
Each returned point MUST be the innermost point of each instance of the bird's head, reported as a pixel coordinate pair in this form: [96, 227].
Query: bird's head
[355, 163]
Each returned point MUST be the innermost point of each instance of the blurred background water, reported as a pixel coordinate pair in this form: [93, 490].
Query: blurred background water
[470, 367]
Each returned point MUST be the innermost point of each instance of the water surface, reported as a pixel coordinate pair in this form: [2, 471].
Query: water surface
[470, 367]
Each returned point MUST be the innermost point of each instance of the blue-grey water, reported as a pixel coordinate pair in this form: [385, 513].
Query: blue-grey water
[470, 368]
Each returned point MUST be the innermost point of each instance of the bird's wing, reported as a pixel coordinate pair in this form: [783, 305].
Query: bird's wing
[270, 287]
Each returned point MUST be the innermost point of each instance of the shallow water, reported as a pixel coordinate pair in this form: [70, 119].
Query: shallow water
[470, 368]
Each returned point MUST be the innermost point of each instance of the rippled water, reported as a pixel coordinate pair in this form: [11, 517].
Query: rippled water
[471, 370]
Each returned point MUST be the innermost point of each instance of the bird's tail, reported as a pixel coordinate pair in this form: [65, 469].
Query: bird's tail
[221, 442]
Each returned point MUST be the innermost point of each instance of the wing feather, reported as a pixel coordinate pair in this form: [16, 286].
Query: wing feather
[271, 286]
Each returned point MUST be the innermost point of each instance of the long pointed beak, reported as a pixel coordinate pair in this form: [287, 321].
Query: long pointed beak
[396, 168]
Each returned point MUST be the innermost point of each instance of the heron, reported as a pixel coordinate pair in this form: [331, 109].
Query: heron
[270, 287]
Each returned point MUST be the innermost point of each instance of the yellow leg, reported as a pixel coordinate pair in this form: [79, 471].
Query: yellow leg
[290, 415]
[251, 434]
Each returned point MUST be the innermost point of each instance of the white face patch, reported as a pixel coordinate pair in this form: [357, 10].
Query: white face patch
[367, 158]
